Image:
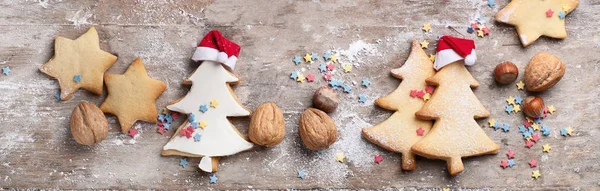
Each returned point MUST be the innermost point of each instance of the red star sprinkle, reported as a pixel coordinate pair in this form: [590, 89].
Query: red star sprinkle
[132, 132]
[330, 66]
[413, 93]
[160, 124]
[533, 163]
[420, 131]
[546, 110]
[182, 132]
[528, 144]
[549, 13]
[474, 25]
[327, 76]
[535, 138]
[504, 163]
[310, 77]
[429, 89]
[189, 132]
[378, 159]
[175, 115]
[527, 124]
[486, 31]
[161, 130]
[510, 154]
[420, 93]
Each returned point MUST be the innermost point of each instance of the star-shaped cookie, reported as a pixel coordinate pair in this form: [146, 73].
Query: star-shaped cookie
[531, 19]
[81, 57]
[131, 96]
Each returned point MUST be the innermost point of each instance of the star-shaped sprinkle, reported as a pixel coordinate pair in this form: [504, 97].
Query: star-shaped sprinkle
[508, 109]
[528, 122]
[510, 154]
[77, 78]
[427, 27]
[314, 56]
[347, 68]
[485, 30]
[161, 117]
[6, 70]
[511, 163]
[294, 75]
[57, 95]
[497, 125]
[214, 103]
[536, 174]
[505, 127]
[334, 58]
[522, 129]
[475, 26]
[183, 162]
[197, 137]
[323, 68]
[549, 13]
[413, 93]
[302, 174]
[362, 99]
[161, 130]
[340, 157]
[569, 131]
[420, 93]
[327, 56]
[491, 3]
[520, 85]
[546, 148]
[327, 76]
[132, 132]
[480, 33]
[192, 118]
[491, 122]
[563, 132]
[517, 108]
[470, 30]
[545, 130]
[426, 97]
[432, 57]
[424, 44]
[167, 126]
[330, 66]
[528, 144]
[297, 60]
[551, 109]
[429, 89]
[310, 78]
[510, 100]
[347, 88]
[535, 126]
[203, 108]
[561, 15]
[420, 131]
[307, 58]
[202, 124]
[378, 159]
[445, 189]
[535, 138]
[533, 163]
[213, 179]
[366, 82]
[300, 78]
[518, 100]
[504, 163]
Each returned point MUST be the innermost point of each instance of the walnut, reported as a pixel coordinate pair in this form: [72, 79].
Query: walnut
[543, 71]
[88, 124]
[267, 127]
[317, 130]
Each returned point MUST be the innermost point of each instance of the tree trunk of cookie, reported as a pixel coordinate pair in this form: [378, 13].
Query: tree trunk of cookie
[455, 165]
[408, 161]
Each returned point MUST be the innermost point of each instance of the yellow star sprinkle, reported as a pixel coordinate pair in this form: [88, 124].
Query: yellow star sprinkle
[480, 33]
[165, 111]
[551, 109]
[445, 189]
[427, 27]
[566, 8]
[492, 122]
[546, 148]
[300, 78]
[569, 130]
[432, 57]
[536, 174]
[424, 44]
[202, 124]
[426, 97]
[520, 85]
[214, 103]
[348, 68]
[535, 126]
[516, 108]
[334, 58]
[340, 157]
[308, 58]
[511, 100]
[529, 119]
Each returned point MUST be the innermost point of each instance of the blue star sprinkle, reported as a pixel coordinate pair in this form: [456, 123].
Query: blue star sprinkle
[57, 96]
[347, 88]
[301, 174]
[522, 128]
[77, 78]
[531, 130]
[481, 20]
[197, 137]
[563, 132]
[491, 3]
[509, 108]
[323, 68]
[362, 99]
[505, 127]
[294, 75]
[213, 179]
[518, 100]
[161, 117]
[561, 15]
[366, 82]
[167, 126]
[191, 118]
[545, 130]
[538, 121]
[497, 125]
[339, 82]
[6, 70]
[168, 118]
[327, 56]
[511, 163]
[526, 134]
[183, 162]
[194, 125]
[203, 108]
[470, 30]
[297, 60]
[314, 56]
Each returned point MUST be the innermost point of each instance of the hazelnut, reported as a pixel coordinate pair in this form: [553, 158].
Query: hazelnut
[317, 129]
[267, 127]
[543, 71]
[326, 99]
[88, 124]
[533, 106]
[506, 73]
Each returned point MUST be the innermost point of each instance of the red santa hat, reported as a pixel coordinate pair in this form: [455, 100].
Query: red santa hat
[215, 47]
[451, 49]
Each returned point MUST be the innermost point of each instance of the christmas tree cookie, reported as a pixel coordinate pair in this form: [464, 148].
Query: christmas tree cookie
[207, 133]
[399, 132]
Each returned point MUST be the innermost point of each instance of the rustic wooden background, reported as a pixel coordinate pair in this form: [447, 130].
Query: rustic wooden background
[37, 150]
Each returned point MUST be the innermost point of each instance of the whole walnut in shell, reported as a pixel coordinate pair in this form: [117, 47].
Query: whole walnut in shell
[317, 129]
[267, 127]
[543, 71]
[88, 124]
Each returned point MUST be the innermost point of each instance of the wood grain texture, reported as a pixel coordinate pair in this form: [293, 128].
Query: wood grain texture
[37, 150]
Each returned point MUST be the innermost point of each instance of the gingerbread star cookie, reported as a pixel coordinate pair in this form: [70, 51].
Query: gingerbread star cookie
[131, 96]
[534, 18]
[78, 64]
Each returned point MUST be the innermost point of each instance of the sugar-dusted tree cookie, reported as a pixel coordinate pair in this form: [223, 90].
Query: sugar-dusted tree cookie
[399, 132]
[534, 18]
[207, 133]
